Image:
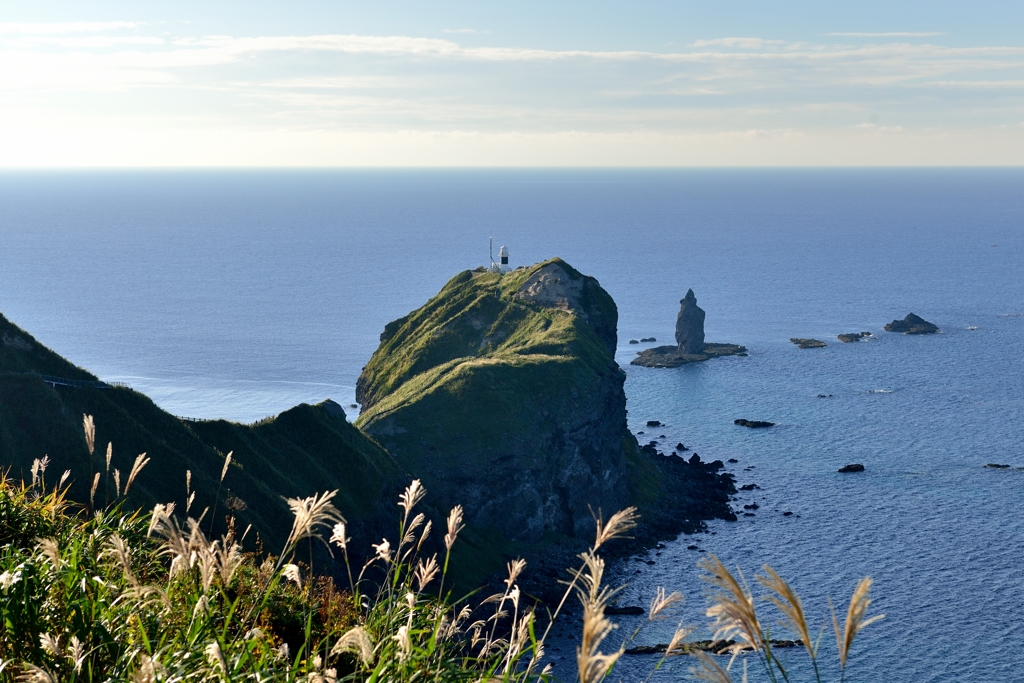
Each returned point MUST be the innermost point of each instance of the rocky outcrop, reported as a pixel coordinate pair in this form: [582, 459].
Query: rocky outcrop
[503, 395]
[808, 343]
[670, 356]
[855, 467]
[853, 337]
[690, 325]
[912, 324]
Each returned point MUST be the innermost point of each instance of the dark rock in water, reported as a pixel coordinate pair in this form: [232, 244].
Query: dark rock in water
[912, 324]
[694, 459]
[787, 513]
[733, 460]
[753, 424]
[691, 547]
[634, 341]
[353, 405]
[612, 610]
[752, 506]
[649, 449]
[639, 433]
[671, 357]
[653, 423]
[648, 340]
[856, 467]
[748, 514]
[853, 337]
[690, 325]
[997, 466]
[808, 343]
[715, 647]
[681, 448]
[824, 395]
[749, 487]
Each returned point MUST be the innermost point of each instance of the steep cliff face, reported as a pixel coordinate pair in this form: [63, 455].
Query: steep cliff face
[503, 394]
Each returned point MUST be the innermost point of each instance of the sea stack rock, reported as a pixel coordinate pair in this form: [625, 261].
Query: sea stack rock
[912, 324]
[690, 345]
[690, 325]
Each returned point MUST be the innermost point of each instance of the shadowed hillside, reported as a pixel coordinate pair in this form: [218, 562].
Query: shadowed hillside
[304, 450]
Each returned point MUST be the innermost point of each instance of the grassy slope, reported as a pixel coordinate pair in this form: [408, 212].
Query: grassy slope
[303, 451]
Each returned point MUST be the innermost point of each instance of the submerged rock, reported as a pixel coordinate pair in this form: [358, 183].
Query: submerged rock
[753, 424]
[912, 324]
[690, 325]
[856, 467]
[613, 610]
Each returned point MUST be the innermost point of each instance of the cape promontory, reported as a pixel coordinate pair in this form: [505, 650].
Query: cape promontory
[502, 393]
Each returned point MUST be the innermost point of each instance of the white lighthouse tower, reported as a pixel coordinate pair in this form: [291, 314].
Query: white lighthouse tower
[501, 265]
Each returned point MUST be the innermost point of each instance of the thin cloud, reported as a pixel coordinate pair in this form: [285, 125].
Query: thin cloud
[891, 34]
[737, 42]
[463, 30]
[65, 27]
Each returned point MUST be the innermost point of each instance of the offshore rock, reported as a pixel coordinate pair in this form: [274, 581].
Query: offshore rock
[503, 395]
[671, 357]
[912, 324]
[809, 343]
[854, 336]
[690, 325]
[855, 467]
[753, 424]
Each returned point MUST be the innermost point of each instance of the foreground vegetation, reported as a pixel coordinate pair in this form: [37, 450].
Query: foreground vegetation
[108, 594]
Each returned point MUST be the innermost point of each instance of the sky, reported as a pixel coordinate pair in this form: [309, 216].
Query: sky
[395, 83]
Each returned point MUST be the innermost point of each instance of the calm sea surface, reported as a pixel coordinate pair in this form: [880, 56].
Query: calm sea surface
[238, 294]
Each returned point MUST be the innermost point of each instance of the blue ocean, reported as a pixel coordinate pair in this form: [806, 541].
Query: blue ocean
[237, 294]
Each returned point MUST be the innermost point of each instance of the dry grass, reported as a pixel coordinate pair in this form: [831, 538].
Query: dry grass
[166, 602]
